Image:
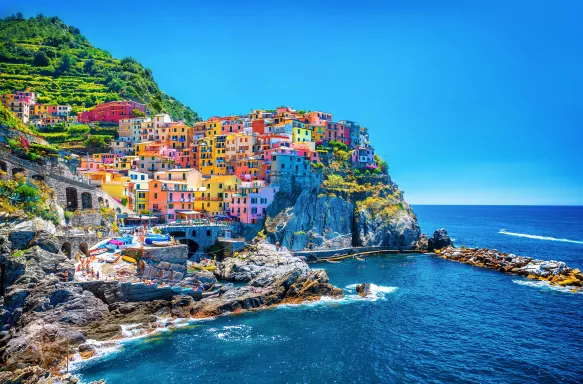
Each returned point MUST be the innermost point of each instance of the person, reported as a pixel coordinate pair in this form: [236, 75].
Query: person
[97, 274]
[66, 275]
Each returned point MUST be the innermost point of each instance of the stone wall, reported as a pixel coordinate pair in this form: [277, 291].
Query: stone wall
[70, 192]
[196, 237]
[161, 263]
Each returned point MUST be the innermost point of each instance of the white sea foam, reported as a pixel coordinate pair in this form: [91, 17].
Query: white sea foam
[545, 285]
[537, 237]
[377, 292]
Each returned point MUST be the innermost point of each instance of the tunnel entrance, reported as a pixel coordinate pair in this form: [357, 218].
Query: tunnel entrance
[16, 171]
[86, 202]
[66, 249]
[192, 246]
[71, 195]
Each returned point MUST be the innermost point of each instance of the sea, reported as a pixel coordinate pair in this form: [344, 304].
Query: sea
[427, 320]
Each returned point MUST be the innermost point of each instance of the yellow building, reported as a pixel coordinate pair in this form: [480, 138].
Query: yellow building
[180, 136]
[300, 135]
[214, 127]
[212, 198]
[206, 154]
[318, 133]
[219, 154]
[40, 109]
[116, 187]
[125, 163]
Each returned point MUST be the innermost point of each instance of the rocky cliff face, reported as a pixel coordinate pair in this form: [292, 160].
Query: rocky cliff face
[43, 313]
[305, 219]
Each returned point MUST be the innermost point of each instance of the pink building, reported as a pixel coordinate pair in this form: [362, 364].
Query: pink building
[338, 132]
[170, 200]
[232, 126]
[111, 112]
[250, 202]
[318, 118]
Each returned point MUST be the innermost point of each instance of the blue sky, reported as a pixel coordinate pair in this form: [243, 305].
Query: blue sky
[469, 103]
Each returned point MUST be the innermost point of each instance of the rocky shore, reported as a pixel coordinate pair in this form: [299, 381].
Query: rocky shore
[555, 272]
[44, 315]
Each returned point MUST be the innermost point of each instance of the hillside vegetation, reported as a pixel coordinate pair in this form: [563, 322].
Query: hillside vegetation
[45, 55]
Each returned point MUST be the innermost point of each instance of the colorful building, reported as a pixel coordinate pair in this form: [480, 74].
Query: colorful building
[171, 200]
[213, 197]
[249, 204]
[110, 112]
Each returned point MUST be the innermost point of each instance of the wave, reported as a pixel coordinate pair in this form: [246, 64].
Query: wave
[545, 285]
[131, 333]
[537, 237]
[377, 292]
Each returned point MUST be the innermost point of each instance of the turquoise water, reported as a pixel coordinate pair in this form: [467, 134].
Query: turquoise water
[430, 320]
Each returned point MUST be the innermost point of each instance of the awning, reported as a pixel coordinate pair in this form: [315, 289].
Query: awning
[188, 212]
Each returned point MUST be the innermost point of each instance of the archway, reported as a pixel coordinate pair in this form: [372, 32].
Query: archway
[86, 202]
[3, 166]
[191, 244]
[100, 201]
[178, 233]
[71, 195]
[15, 171]
[66, 249]
[84, 248]
[38, 177]
[118, 210]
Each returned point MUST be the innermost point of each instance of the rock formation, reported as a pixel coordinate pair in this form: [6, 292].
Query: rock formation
[555, 272]
[43, 313]
[306, 219]
[440, 239]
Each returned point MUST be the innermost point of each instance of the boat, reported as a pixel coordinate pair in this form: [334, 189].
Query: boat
[360, 259]
[125, 239]
[129, 259]
[101, 244]
[113, 258]
[205, 268]
[151, 238]
[161, 243]
[333, 261]
[97, 251]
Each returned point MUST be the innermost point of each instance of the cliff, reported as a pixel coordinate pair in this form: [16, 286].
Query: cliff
[348, 208]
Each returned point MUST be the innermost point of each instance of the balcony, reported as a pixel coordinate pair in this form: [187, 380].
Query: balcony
[208, 198]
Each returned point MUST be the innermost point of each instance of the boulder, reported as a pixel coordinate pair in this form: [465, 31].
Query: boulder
[363, 289]
[439, 240]
[422, 243]
[45, 240]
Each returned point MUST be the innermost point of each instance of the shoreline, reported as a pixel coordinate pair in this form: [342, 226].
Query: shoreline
[555, 273]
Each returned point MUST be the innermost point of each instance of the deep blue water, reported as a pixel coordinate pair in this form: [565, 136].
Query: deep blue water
[479, 226]
[430, 320]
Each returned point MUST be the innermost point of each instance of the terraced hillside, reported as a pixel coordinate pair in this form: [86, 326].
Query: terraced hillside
[45, 55]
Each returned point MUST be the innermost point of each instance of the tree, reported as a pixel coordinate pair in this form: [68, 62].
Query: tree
[89, 66]
[41, 59]
[138, 113]
[95, 142]
[66, 63]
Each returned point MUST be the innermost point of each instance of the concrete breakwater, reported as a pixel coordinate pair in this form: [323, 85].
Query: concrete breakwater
[555, 272]
[325, 254]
